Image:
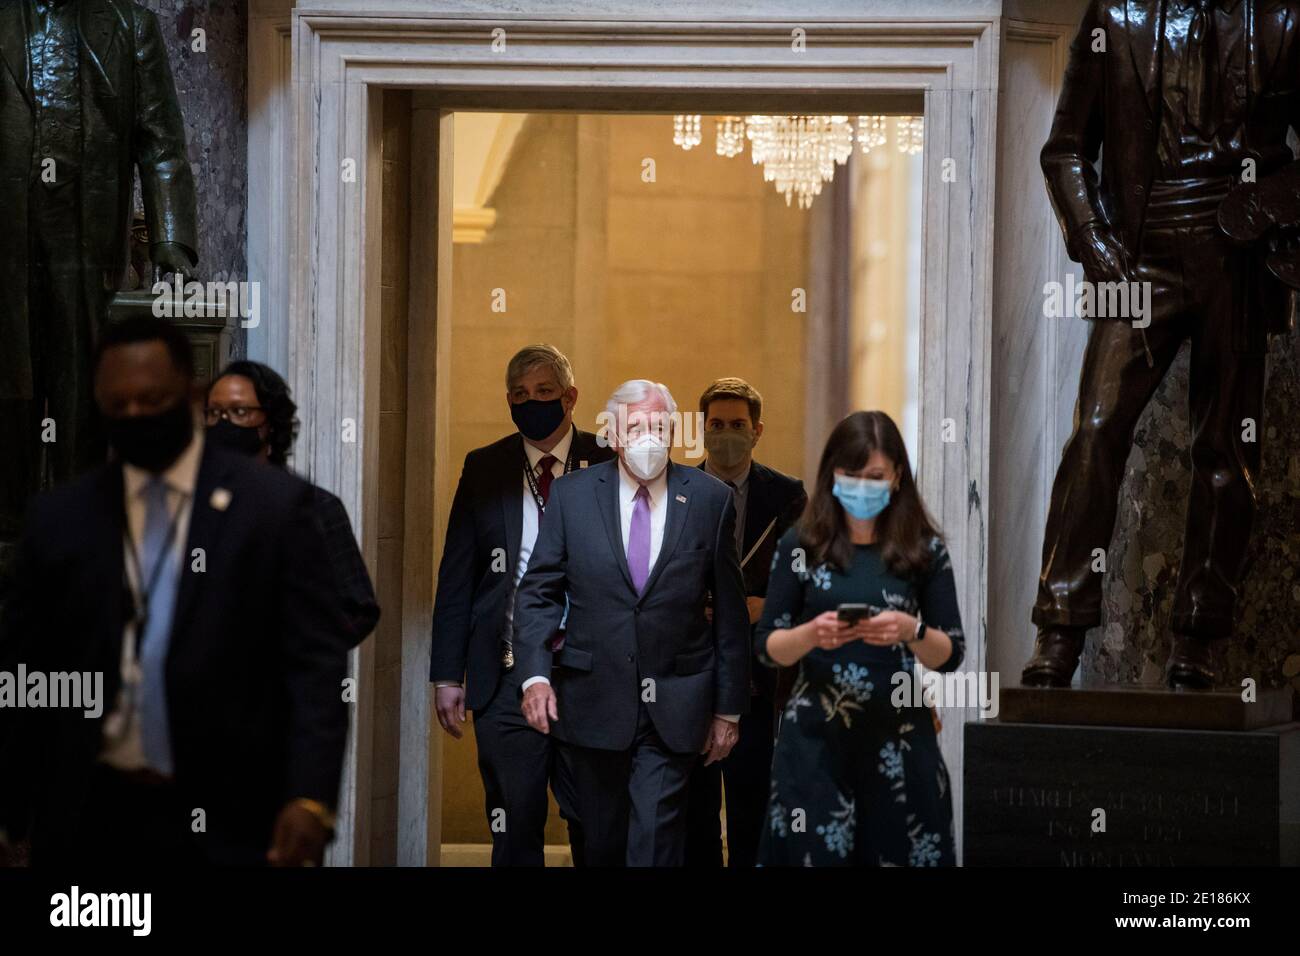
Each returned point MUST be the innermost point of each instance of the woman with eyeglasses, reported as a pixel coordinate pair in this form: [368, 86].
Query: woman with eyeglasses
[249, 410]
[861, 589]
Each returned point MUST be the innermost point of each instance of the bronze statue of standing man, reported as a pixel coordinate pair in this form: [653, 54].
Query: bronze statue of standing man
[1185, 100]
[86, 98]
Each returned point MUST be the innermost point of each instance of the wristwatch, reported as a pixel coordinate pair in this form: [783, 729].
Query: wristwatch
[920, 630]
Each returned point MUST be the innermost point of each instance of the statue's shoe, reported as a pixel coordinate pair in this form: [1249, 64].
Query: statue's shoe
[1056, 655]
[1191, 665]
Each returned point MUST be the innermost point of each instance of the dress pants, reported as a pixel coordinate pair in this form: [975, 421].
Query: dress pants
[516, 763]
[747, 774]
[1199, 292]
[63, 321]
[632, 802]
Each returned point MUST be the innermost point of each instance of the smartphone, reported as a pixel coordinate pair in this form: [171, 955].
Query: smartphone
[852, 613]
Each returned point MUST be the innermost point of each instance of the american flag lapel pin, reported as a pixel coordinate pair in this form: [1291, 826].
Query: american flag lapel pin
[220, 499]
[583, 463]
[682, 499]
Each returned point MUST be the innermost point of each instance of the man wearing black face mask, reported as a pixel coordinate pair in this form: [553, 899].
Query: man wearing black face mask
[194, 580]
[490, 535]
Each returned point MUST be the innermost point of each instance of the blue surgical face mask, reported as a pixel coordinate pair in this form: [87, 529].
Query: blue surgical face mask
[862, 498]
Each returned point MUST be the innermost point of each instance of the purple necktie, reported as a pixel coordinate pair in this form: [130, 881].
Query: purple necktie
[638, 539]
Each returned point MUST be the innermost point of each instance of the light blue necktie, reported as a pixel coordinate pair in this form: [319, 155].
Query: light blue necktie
[152, 644]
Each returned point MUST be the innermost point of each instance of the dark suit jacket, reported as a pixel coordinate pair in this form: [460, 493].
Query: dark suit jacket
[130, 121]
[614, 639]
[773, 503]
[479, 559]
[1111, 99]
[254, 673]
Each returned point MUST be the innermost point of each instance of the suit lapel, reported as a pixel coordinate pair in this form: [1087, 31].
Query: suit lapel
[678, 503]
[1146, 25]
[206, 525]
[13, 45]
[99, 24]
[608, 505]
[512, 498]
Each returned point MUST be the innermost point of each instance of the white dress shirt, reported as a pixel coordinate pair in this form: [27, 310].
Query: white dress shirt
[123, 744]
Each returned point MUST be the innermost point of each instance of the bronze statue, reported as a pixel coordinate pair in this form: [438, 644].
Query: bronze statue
[1186, 101]
[86, 99]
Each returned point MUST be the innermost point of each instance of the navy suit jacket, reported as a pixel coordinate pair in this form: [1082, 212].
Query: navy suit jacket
[478, 565]
[254, 670]
[621, 646]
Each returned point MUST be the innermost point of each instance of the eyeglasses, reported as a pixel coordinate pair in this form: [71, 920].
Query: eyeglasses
[238, 414]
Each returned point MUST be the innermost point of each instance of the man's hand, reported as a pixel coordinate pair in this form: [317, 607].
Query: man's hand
[755, 605]
[539, 707]
[1102, 255]
[723, 735]
[299, 838]
[449, 702]
[170, 257]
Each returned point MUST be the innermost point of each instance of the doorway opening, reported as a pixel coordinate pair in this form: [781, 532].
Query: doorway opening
[600, 234]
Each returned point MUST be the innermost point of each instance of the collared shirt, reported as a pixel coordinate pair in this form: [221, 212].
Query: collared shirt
[123, 745]
[627, 489]
[528, 530]
[56, 91]
[739, 495]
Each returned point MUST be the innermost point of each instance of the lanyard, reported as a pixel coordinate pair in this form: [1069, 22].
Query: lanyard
[532, 478]
[140, 597]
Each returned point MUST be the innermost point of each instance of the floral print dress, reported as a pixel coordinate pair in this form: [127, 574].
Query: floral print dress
[857, 781]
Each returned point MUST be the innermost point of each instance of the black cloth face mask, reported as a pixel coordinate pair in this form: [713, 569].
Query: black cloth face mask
[537, 419]
[238, 438]
[152, 442]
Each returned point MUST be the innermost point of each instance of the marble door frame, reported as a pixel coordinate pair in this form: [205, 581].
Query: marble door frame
[342, 63]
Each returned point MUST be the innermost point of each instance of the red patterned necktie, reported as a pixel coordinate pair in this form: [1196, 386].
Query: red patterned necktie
[545, 476]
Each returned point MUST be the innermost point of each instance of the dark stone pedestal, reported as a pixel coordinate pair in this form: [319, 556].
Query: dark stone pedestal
[1171, 797]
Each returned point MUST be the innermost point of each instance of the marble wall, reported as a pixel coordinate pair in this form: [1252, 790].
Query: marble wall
[212, 86]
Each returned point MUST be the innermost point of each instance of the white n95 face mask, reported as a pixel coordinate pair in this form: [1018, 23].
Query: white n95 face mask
[646, 456]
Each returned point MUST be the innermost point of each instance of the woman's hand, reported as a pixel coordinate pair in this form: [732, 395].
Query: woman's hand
[887, 629]
[829, 632]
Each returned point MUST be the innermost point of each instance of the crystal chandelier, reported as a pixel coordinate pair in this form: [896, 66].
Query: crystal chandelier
[686, 131]
[799, 153]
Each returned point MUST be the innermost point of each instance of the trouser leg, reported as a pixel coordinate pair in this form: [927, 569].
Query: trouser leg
[747, 774]
[1225, 401]
[657, 788]
[600, 786]
[704, 816]
[515, 763]
[1115, 385]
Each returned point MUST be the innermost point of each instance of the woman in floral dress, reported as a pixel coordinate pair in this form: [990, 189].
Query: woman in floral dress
[856, 780]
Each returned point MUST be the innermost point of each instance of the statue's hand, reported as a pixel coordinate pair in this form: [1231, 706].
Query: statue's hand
[171, 257]
[1102, 255]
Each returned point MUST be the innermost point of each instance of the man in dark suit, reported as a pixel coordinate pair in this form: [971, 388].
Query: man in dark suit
[767, 504]
[644, 682]
[1184, 100]
[503, 492]
[195, 581]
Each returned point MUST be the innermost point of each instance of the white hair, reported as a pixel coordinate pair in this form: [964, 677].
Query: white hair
[635, 391]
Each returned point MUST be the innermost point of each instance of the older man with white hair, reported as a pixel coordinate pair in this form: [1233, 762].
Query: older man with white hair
[644, 683]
